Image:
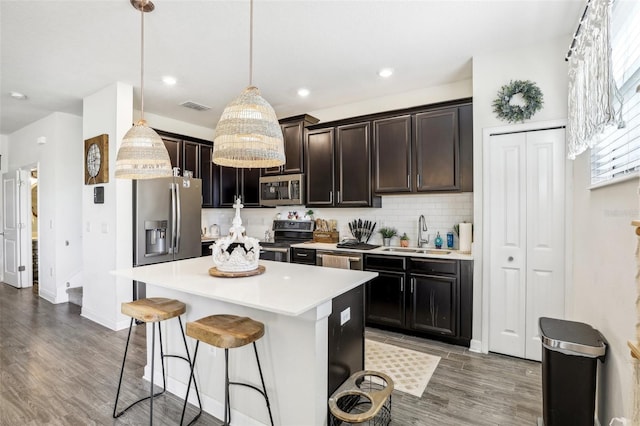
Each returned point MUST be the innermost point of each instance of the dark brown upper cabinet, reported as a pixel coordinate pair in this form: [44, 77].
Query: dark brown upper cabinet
[392, 154]
[320, 169]
[194, 155]
[338, 166]
[233, 182]
[353, 165]
[437, 150]
[424, 150]
[174, 148]
[293, 133]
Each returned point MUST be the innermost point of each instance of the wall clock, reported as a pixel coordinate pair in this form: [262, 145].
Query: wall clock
[96, 160]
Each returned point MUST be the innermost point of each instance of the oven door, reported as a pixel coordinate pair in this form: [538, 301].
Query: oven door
[277, 254]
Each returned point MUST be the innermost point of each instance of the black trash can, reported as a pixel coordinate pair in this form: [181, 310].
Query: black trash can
[570, 356]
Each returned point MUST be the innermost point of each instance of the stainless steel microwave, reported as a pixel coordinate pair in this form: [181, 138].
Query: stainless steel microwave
[282, 190]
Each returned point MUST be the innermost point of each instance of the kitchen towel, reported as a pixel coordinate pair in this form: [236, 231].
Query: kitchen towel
[341, 262]
[466, 233]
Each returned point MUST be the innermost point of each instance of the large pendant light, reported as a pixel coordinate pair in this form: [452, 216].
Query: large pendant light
[248, 134]
[142, 154]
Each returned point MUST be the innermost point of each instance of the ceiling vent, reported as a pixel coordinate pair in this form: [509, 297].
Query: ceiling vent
[194, 105]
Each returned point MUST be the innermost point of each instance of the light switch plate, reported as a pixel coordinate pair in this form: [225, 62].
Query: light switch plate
[345, 316]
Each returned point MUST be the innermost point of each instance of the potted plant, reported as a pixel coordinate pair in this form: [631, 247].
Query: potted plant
[404, 240]
[387, 233]
[309, 215]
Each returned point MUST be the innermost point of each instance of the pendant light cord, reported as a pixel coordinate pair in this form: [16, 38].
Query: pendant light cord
[251, 43]
[142, 62]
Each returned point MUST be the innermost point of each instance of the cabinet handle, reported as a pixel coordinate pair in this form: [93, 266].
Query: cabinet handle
[402, 286]
[510, 258]
[413, 283]
[330, 197]
[338, 196]
[408, 181]
[301, 255]
[419, 181]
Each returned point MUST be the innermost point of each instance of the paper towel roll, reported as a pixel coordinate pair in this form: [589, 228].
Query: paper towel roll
[465, 237]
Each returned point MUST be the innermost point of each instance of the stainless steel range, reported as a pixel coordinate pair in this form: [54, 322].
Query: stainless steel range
[285, 233]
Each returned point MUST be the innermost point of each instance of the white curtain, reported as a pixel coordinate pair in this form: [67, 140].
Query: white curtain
[592, 90]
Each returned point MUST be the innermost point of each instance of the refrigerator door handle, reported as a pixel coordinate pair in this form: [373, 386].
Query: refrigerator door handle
[174, 226]
[178, 218]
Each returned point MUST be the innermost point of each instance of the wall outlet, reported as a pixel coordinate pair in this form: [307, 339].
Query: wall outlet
[345, 316]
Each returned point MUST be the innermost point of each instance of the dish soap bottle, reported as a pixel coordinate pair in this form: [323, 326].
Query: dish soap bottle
[438, 241]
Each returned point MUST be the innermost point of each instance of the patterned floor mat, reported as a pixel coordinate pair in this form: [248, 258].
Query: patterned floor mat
[410, 370]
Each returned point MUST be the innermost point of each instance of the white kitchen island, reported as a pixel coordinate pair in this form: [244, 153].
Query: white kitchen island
[293, 301]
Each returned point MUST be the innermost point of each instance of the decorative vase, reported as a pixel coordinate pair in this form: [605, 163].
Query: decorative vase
[404, 243]
[386, 242]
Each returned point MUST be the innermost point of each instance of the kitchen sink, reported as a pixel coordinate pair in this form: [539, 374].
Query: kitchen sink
[435, 251]
[401, 250]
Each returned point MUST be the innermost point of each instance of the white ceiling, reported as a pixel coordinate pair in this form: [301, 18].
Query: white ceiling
[57, 52]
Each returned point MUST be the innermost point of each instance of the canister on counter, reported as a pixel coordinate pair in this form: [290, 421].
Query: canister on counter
[449, 240]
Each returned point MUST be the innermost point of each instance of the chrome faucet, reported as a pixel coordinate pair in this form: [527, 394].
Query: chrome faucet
[422, 227]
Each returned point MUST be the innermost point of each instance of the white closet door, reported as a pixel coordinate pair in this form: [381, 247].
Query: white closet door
[508, 243]
[16, 238]
[526, 239]
[545, 232]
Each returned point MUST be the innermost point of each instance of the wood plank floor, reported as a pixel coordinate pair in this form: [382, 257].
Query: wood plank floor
[57, 368]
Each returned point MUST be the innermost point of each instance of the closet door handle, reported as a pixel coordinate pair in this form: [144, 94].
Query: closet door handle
[510, 259]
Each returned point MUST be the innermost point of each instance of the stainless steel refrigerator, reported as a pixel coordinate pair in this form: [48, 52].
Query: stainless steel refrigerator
[166, 221]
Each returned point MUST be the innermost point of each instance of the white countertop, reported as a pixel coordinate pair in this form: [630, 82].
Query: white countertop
[284, 288]
[394, 251]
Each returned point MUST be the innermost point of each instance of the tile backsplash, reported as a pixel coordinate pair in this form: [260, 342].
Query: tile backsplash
[441, 212]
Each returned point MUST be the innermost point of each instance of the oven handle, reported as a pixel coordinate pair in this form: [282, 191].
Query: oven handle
[275, 249]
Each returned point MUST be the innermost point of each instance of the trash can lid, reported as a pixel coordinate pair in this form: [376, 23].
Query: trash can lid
[572, 338]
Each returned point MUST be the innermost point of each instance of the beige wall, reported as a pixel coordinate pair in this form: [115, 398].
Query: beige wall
[604, 290]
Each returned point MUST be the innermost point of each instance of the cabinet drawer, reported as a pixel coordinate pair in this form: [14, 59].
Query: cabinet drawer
[301, 255]
[387, 263]
[434, 266]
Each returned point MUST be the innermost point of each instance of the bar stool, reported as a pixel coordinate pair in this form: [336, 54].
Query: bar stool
[153, 310]
[227, 331]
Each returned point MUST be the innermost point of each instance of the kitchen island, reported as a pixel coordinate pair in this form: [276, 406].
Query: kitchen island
[293, 301]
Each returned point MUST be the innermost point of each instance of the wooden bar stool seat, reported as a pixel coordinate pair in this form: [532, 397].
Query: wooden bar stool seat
[227, 332]
[153, 310]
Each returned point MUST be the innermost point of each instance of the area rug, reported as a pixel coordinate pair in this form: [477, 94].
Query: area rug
[410, 370]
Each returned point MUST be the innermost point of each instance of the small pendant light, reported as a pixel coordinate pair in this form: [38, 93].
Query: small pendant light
[248, 134]
[142, 154]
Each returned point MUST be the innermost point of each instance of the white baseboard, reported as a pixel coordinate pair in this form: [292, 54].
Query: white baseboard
[98, 319]
[475, 346]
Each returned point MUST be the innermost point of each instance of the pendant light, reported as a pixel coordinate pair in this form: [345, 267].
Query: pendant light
[248, 134]
[142, 154]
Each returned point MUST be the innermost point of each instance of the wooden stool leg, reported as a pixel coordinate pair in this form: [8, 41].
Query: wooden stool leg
[264, 388]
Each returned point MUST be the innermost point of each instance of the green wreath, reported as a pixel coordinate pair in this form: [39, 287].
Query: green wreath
[531, 94]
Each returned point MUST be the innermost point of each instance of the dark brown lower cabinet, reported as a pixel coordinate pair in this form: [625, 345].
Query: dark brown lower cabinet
[433, 304]
[421, 296]
[385, 299]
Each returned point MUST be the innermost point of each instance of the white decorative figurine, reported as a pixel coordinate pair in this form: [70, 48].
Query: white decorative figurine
[236, 252]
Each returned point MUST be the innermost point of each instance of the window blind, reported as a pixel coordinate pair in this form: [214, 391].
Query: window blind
[617, 150]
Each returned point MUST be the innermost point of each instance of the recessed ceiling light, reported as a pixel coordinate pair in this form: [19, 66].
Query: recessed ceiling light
[18, 95]
[385, 72]
[169, 81]
[303, 93]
